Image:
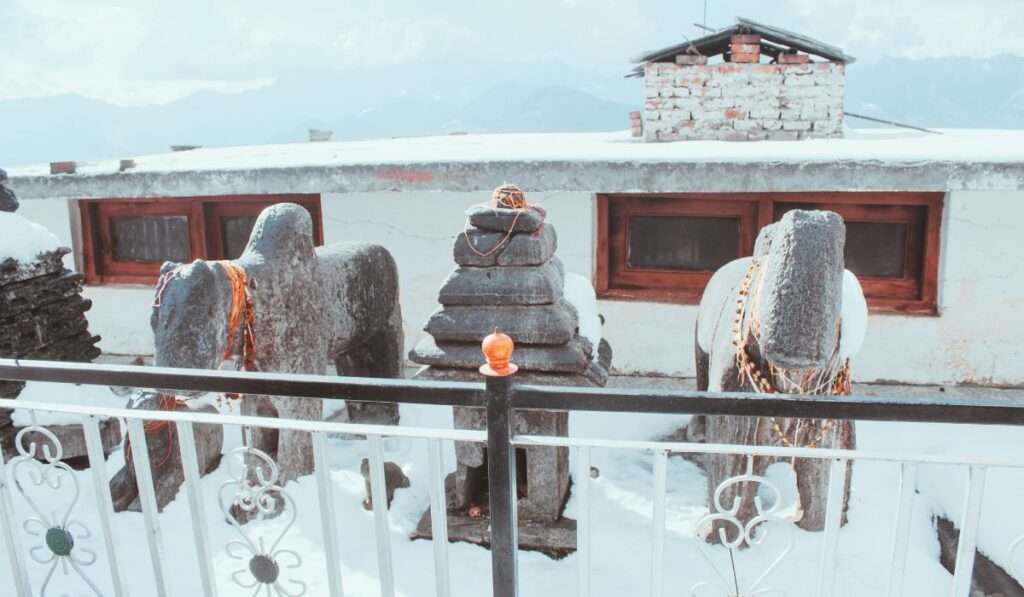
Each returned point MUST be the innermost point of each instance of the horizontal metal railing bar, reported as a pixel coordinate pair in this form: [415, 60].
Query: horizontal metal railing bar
[771, 451]
[1008, 411]
[409, 391]
[982, 411]
[463, 435]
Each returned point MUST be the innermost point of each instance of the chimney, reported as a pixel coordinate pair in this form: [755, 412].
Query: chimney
[316, 135]
[745, 48]
[63, 167]
[636, 123]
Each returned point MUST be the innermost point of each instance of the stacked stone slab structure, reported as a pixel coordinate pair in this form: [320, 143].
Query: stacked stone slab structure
[42, 317]
[508, 278]
[42, 313]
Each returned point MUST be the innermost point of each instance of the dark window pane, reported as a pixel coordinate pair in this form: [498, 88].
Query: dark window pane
[150, 239]
[682, 242]
[235, 232]
[875, 249]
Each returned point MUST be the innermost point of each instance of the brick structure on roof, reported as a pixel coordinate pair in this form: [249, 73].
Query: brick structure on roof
[741, 101]
[749, 82]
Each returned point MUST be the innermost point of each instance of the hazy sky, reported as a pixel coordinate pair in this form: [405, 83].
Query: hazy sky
[146, 51]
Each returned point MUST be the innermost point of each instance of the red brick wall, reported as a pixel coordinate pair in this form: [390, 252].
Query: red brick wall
[739, 102]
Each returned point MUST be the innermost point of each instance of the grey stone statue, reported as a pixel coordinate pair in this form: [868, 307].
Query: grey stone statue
[8, 200]
[312, 307]
[785, 320]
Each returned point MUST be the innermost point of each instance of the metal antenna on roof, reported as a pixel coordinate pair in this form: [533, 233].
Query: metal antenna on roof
[704, 22]
[893, 123]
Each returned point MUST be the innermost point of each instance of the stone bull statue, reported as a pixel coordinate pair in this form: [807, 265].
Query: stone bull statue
[282, 306]
[785, 320]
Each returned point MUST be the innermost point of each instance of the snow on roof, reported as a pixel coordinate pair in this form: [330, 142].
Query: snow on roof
[859, 144]
[455, 159]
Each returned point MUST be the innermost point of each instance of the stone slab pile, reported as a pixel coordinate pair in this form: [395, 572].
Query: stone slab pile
[42, 314]
[508, 278]
[42, 317]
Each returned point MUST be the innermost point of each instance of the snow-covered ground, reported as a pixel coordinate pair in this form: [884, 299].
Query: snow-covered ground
[621, 501]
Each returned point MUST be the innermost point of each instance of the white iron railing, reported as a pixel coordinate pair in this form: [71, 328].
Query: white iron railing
[42, 545]
[746, 534]
[45, 469]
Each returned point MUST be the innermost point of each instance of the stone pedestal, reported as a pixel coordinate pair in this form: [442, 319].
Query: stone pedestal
[508, 279]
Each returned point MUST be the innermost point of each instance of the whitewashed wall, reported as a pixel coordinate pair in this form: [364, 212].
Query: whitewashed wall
[120, 314]
[975, 340]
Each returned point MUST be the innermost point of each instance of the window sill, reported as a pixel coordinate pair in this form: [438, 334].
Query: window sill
[692, 297]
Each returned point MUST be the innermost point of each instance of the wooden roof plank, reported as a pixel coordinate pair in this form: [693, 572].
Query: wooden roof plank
[717, 42]
[797, 40]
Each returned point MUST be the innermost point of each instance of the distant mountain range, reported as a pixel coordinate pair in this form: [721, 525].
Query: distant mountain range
[946, 92]
[415, 100]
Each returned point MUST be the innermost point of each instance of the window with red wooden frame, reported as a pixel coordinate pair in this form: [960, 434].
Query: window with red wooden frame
[665, 247]
[124, 241]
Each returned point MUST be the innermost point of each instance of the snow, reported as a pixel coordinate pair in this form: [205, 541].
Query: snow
[621, 502]
[120, 315]
[22, 239]
[580, 293]
[942, 489]
[63, 394]
[854, 315]
[858, 144]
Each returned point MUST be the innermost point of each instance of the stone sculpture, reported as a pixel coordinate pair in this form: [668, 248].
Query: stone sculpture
[508, 278]
[785, 320]
[303, 307]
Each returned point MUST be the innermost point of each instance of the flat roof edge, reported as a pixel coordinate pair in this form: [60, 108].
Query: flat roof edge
[540, 176]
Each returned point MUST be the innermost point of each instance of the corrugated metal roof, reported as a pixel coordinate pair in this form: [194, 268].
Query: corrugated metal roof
[774, 40]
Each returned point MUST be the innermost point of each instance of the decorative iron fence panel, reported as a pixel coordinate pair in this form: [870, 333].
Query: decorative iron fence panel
[45, 547]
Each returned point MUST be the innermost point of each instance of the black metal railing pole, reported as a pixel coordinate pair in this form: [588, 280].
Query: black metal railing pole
[501, 476]
[501, 464]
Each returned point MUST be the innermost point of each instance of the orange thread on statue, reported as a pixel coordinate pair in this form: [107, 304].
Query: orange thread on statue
[165, 402]
[241, 315]
[161, 285]
[507, 196]
[836, 379]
